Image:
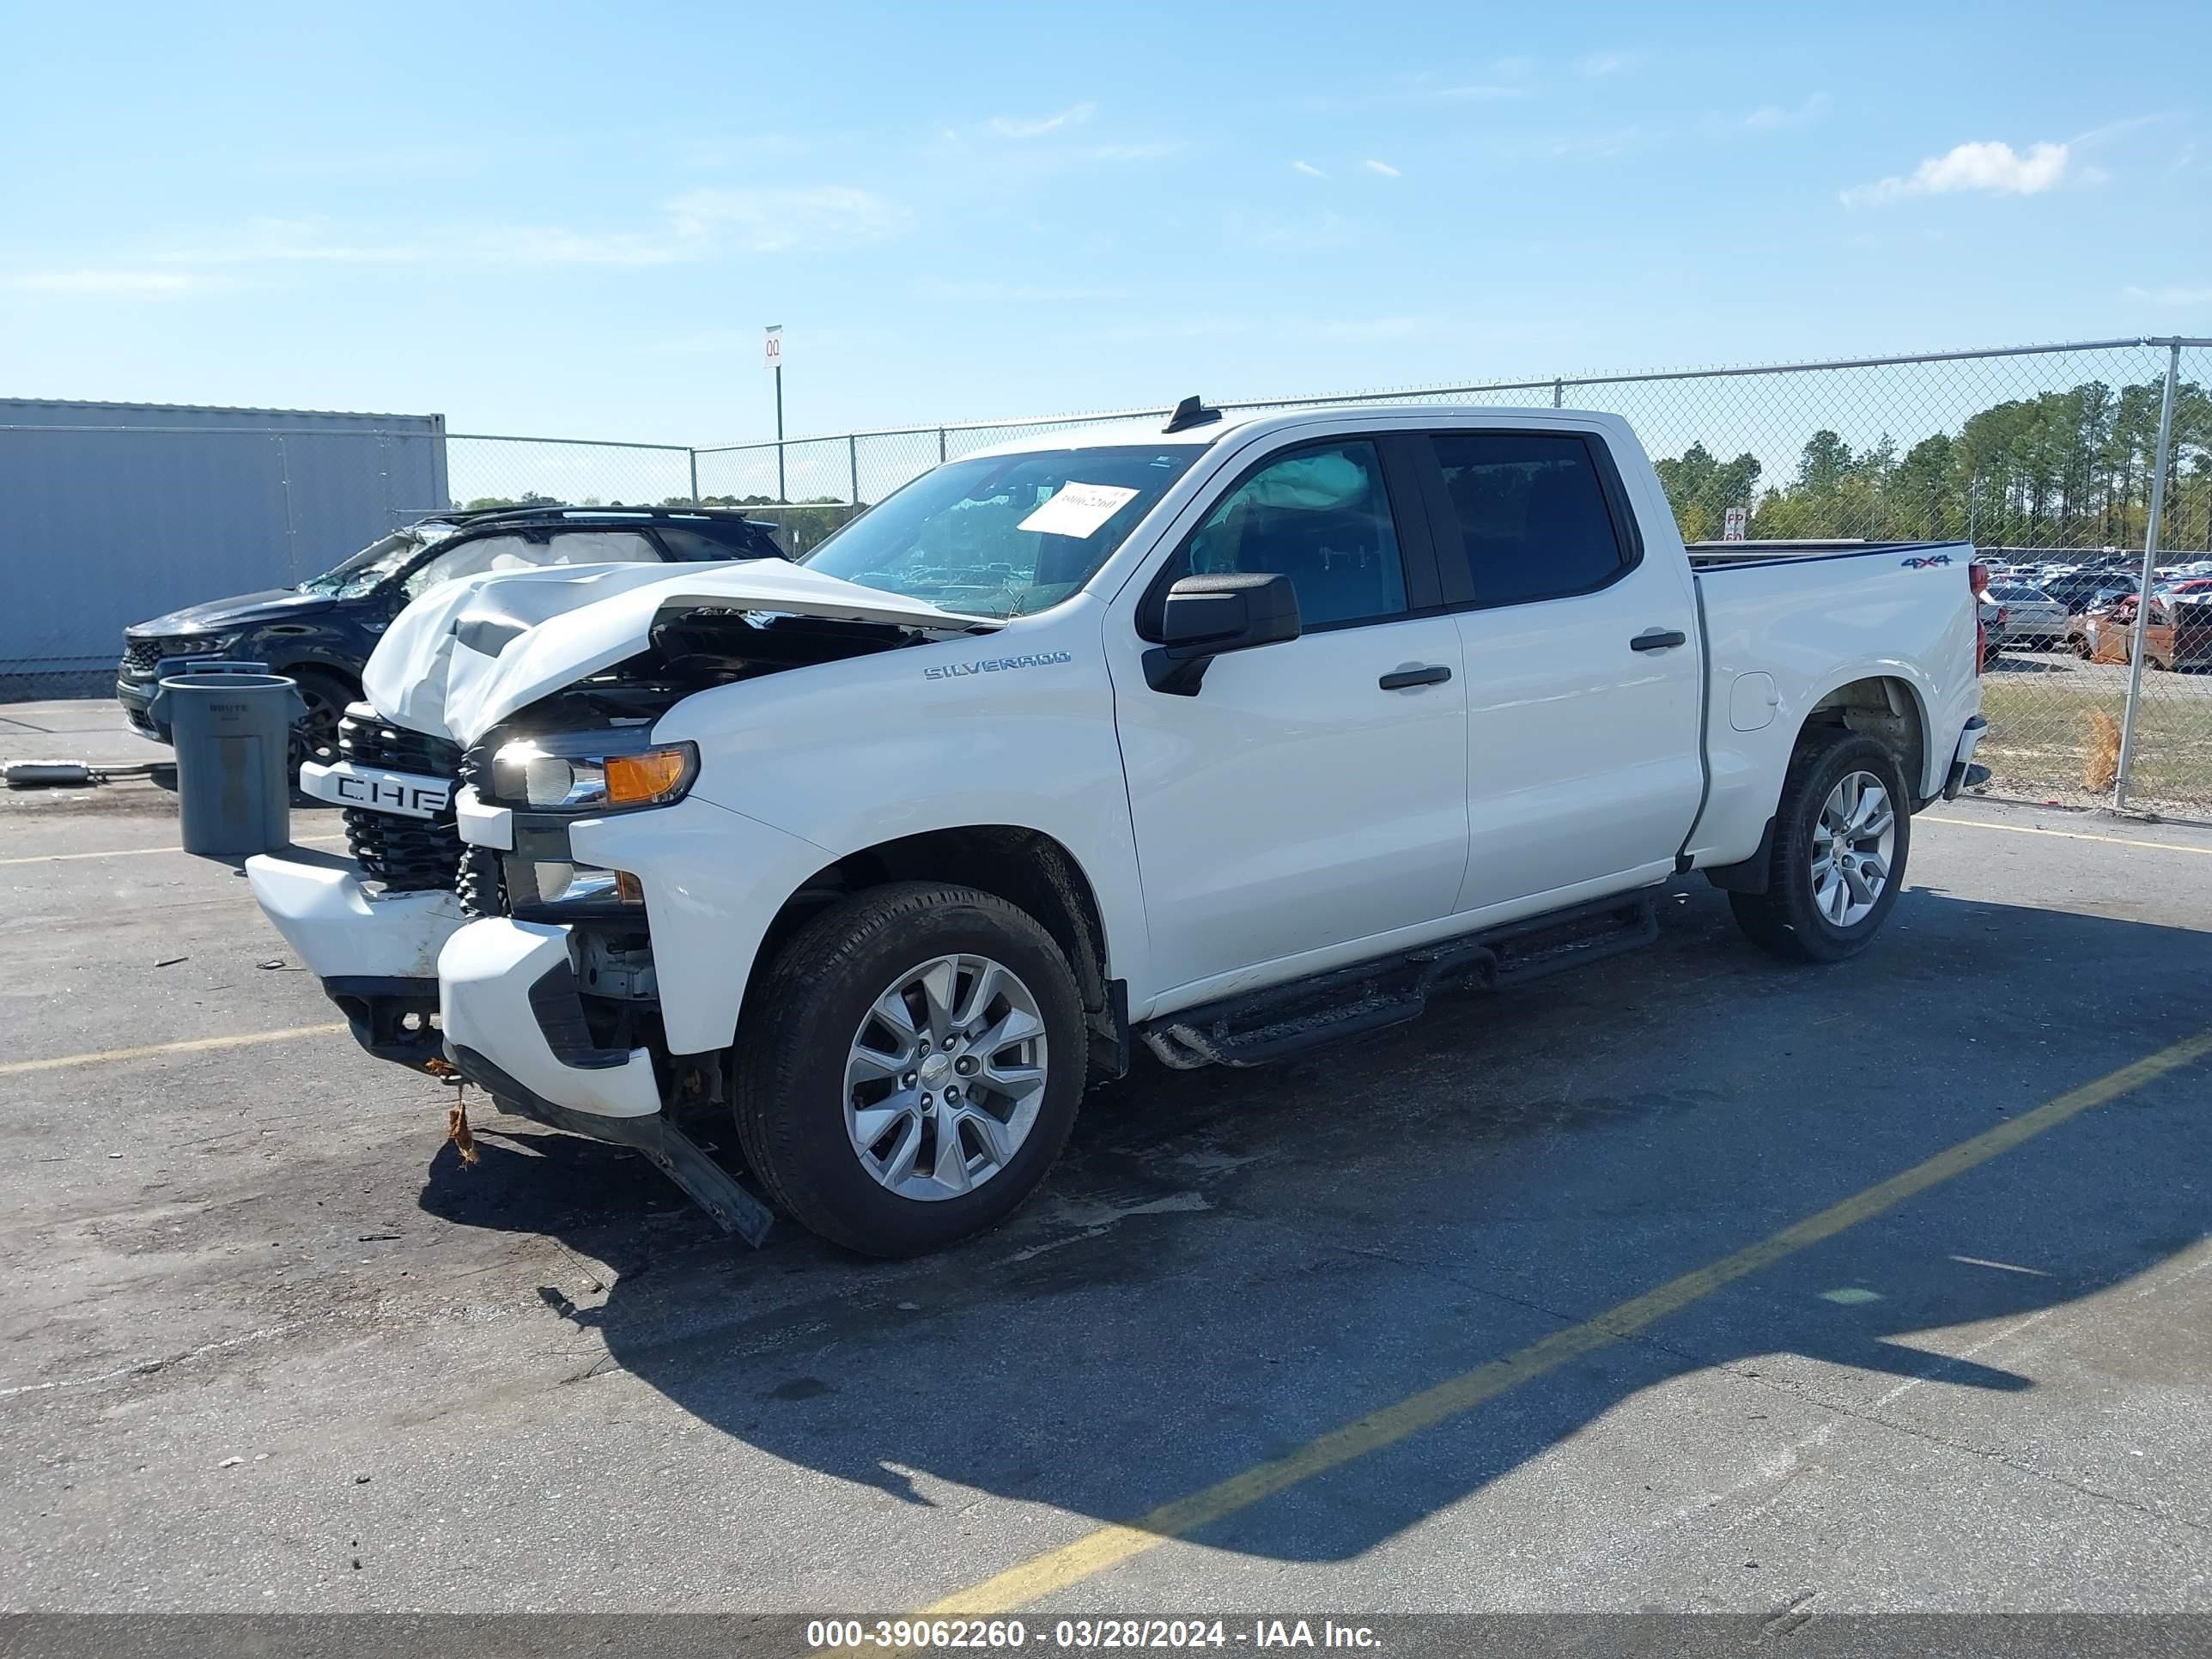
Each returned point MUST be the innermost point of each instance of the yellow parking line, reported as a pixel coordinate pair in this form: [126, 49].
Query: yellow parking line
[1111, 1546]
[2067, 835]
[191, 1045]
[139, 851]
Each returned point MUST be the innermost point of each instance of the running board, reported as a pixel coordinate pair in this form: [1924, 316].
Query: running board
[1368, 996]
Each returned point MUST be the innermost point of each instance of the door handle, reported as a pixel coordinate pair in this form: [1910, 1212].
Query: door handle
[1659, 639]
[1433, 673]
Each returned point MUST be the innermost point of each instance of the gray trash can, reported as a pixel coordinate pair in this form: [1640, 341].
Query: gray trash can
[232, 725]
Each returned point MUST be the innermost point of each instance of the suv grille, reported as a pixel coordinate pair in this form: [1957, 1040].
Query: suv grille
[139, 656]
[406, 854]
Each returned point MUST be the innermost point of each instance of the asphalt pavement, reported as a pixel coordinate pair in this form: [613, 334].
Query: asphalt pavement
[1687, 1282]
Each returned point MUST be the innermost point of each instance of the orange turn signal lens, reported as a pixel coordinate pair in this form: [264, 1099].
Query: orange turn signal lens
[656, 774]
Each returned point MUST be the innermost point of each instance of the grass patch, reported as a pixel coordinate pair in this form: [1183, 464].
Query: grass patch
[2040, 735]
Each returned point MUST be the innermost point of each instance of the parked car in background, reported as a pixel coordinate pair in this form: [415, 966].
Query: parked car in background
[2087, 588]
[2032, 616]
[2179, 636]
[321, 632]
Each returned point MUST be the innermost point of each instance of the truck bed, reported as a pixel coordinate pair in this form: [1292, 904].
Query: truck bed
[1790, 625]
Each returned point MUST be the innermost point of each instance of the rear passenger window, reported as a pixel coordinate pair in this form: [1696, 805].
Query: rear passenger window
[1532, 513]
[1320, 517]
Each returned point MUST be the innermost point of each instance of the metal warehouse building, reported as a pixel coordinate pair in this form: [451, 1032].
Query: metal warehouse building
[114, 513]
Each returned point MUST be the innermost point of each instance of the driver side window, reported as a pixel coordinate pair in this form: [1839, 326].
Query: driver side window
[1320, 516]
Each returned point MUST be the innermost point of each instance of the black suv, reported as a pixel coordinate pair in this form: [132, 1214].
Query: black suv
[321, 632]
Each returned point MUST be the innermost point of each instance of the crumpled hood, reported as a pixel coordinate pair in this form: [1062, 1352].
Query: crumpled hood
[470, 652]
[275, 604]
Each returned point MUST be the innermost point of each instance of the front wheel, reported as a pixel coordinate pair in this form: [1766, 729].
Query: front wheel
[315, 733]
[909, 1068]
[1841, 835]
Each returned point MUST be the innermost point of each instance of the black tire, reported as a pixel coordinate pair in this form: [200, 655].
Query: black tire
[800, 1022]
[315, 736]
[1785, 919]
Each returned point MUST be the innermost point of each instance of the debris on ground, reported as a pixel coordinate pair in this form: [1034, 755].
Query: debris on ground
[456, 1131]
[76, 774]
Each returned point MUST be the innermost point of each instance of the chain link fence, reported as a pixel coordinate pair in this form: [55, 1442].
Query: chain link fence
[2046, 458]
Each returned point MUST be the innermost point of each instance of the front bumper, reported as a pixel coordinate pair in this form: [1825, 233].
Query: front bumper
[136, 698]
[513, 1022]
[376, 954]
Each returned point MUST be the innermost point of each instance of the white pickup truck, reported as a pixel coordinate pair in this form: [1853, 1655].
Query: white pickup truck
[1219, 738]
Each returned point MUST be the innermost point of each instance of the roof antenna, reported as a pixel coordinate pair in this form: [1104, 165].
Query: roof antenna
[1190, 412]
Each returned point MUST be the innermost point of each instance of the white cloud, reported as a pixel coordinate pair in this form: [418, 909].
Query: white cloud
[1418, 91]
[266, 241]
[1009, 126]
[1019, 293]
[1384, 168]
[2171, 296]
[769, 220]
[775, 221]
[1309, 169]
[1607, 62]
[1147, 150]
[1472, 93]
[1275, 233]
[1769, 116]
[307, 242]
[139, 282]
[1991, 166]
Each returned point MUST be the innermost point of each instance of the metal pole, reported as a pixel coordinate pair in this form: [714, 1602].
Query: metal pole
[782, 493]
[1558, 391]
[852, 464]
[2149, 566]
[693, 454]
[940, 446]
[291, 519]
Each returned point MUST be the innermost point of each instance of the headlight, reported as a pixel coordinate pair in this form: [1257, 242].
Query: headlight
[589, 773]
[199, 645]
[562, 882]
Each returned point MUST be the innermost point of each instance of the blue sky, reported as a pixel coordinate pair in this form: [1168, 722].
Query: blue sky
[574, 220]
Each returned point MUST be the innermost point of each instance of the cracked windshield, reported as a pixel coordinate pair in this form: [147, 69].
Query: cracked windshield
[1003, 536]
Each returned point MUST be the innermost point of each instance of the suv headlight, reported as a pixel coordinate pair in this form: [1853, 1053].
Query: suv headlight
[199, 645]
[592, 772]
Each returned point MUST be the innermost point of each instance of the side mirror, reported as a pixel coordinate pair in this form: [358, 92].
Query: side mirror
[1207, 616]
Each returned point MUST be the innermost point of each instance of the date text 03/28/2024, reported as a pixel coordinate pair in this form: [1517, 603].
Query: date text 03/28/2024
[1086, 1635]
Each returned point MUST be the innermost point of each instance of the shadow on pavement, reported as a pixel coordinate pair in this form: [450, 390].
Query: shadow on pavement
[1228, 1264]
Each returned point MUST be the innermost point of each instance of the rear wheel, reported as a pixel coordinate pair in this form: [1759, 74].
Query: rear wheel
[1841, 836]
[909, 1068]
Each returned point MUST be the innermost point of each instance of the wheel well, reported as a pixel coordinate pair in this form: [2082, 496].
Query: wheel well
[349, 684]
[1027, 869]
[1885, 708]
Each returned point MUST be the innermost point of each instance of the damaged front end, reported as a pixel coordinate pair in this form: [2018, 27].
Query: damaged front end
[496, 919]
[573, 816]
[370, 927]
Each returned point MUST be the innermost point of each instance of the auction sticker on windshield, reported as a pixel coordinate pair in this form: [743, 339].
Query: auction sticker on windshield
[1077, 509]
